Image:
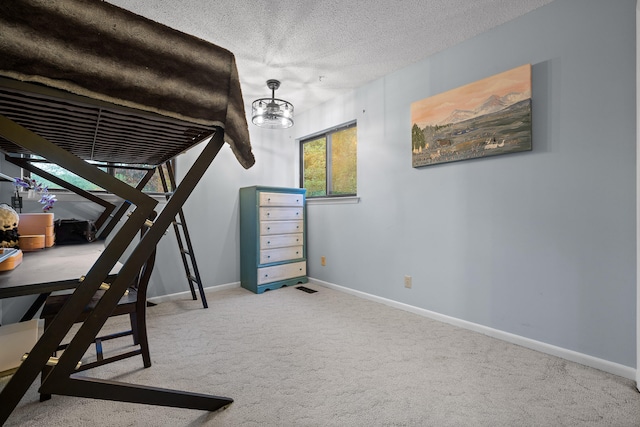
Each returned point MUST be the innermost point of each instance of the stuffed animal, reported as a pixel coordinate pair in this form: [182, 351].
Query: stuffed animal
[9, 219]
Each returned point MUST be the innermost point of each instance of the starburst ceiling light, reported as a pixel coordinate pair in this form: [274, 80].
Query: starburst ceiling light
[272, 113]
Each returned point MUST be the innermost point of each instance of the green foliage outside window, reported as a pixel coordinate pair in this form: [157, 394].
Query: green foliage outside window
[134, 176]
[329, 163]
[129, 176]
[65, 175]
[344, 146]
[315, 167]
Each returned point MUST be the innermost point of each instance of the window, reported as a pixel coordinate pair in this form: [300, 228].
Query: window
[130, 175]
[329, 162]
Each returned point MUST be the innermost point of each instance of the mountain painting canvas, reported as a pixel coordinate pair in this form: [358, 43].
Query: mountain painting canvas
[489, 117]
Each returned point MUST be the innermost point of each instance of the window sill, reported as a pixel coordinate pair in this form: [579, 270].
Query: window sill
[334, 200]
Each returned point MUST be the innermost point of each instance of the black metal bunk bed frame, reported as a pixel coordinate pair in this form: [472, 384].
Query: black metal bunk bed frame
[16, 138]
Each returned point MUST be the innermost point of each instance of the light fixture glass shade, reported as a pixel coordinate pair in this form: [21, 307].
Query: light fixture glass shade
[272, 113]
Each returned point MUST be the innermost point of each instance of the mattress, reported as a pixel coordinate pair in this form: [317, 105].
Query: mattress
[109, 85]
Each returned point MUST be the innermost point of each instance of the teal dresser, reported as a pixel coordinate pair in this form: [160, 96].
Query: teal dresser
[273, 250]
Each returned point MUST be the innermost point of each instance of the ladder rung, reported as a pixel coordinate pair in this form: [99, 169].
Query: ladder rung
[192, 276]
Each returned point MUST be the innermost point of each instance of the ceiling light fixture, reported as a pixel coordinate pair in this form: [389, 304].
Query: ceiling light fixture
[272, 113]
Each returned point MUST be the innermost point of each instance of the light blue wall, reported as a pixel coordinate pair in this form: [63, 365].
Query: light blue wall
[540, 244]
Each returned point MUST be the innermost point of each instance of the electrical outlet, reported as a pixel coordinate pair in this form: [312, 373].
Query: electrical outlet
[407, 282]
[323, 261]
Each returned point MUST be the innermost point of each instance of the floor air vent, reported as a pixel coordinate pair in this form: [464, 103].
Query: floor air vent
[305, 289]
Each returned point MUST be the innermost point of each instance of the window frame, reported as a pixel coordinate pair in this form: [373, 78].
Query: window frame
[327, 135]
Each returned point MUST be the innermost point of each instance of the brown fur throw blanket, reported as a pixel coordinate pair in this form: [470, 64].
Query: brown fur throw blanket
[95, 49]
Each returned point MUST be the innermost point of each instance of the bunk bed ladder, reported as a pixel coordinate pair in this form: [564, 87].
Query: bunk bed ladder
[187, 255]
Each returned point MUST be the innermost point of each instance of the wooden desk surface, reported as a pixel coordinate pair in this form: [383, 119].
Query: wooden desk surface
[50, 269]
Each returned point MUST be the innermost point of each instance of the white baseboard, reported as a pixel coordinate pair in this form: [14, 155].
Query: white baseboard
[187, 294]
[573, 356]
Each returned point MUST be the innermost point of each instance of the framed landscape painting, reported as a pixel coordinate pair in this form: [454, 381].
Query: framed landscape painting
[489, 117]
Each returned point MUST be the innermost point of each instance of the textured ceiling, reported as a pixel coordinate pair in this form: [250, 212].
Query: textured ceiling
[320, 48]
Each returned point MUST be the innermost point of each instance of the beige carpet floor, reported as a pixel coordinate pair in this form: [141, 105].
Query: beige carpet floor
[290, 358]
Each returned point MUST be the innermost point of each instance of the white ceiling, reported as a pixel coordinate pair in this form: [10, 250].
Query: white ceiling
[319, 49]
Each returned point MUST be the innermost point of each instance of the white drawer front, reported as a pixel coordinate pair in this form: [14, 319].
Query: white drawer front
[280, 240]
[280, 227]
[281, 199]
[267, 214]
[280, 254]
[281, 272]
